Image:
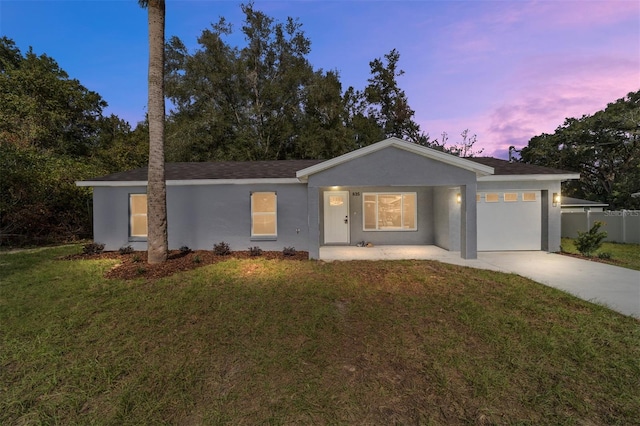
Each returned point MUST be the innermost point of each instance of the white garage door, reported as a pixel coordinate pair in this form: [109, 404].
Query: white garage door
[509, 220]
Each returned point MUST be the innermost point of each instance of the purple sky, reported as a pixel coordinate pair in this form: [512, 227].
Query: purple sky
[506, 70]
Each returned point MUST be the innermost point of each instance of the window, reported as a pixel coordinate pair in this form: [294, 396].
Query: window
[529, 196]
[510, 197]
[390, 212]
[491, 198]
[138, 215]
[264, 221]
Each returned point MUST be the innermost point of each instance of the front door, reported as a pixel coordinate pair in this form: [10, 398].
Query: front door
[336, 217]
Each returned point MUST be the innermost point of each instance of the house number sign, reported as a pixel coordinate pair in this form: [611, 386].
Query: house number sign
[355, 194]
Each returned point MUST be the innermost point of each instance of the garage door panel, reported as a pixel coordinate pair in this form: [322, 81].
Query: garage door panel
[509, 225]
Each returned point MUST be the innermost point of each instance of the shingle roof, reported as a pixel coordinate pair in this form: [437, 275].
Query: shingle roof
[504, 167]
[219, 170]
[279, 169]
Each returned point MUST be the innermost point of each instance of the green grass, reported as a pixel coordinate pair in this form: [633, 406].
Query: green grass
[254, 341]
[625, 255]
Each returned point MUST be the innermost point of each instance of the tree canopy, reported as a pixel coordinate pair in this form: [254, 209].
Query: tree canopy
[264, 100]
[260, 100]
[604, 148]
[52, 133]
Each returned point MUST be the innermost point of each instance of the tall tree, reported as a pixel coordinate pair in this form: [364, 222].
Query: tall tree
[388, 104]
[604, 148]
[259, 101]
[157, 239]
[42, 108]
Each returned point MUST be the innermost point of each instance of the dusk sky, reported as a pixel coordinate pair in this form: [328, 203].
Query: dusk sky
[506, 70]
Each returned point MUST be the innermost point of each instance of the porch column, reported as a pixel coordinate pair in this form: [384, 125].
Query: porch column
[313, 209]
[468, 222]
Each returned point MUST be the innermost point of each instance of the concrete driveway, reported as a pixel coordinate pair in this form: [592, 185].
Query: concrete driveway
[612, 286]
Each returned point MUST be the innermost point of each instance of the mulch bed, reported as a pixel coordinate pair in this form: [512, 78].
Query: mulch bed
[134, 265]
[614, 262]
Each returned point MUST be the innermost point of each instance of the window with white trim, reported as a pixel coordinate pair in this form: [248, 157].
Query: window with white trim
[390, 211]
[138, 215]
[510, 197]
[491, 198]
[264, 219]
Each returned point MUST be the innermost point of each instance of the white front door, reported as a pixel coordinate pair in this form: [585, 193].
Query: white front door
[336, 217]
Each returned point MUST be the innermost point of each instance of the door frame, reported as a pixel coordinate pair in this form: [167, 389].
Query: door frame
[327, 223]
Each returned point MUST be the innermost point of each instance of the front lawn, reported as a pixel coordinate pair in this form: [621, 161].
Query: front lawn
[258, 341]
[625, 255]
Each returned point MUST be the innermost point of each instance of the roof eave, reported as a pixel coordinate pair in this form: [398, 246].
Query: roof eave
[584, 205]
[531, 177]
[187, 182]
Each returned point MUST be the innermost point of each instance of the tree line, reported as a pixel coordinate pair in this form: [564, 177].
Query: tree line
[262, 100]
[259, 101]
[604, 148]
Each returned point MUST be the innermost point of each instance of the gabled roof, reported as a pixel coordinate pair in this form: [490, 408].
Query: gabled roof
[504, 167]
[295, 171]
[283, 171]
[507, 170]
[479, 169]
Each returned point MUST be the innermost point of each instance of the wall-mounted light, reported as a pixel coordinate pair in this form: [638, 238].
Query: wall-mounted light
[458, 198]
[556, 199]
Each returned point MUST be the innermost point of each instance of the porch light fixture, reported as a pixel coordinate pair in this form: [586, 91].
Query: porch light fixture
[458, 198]
[556, 199]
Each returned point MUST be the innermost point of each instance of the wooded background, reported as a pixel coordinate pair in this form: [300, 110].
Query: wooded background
[262, 100]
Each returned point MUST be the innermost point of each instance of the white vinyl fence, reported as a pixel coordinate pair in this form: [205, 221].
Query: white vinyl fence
[622, 226]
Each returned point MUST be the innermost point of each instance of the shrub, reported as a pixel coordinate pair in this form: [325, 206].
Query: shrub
[255, 251]
[221, 249]
[136, 258]
[289, 251]
[125, 250]
[605, 255]
[185, 250]
[197, 259]
[93, 248]
[588, 242]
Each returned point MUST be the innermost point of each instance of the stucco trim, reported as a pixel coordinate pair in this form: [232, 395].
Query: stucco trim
[190, 182]
[479, 169]
[521, 178]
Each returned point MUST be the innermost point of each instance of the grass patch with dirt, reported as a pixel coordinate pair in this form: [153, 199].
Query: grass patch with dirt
[625, 255]
[269, 341]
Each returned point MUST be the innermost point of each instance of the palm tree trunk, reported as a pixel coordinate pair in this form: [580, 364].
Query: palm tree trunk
[157, 240]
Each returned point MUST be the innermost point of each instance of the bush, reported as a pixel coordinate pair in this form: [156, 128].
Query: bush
[185, 250]
[255, 251]
[93, 248]
[588, 242]
[197, 259]
[125, 250]
[605, 255]
[221, 249]
[289, 251]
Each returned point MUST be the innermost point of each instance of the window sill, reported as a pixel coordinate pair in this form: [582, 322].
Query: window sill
[390, 230]
[264, 238]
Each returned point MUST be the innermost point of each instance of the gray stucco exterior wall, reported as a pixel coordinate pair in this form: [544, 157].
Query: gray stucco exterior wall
[396, 170]
[203, 213]
[200, 216]
[392, 167]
